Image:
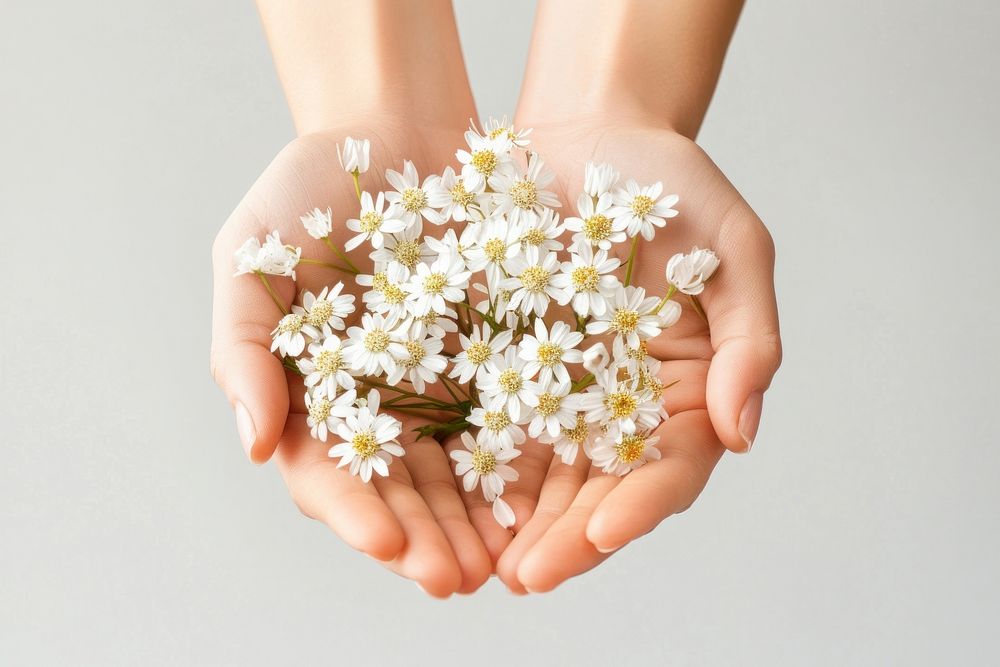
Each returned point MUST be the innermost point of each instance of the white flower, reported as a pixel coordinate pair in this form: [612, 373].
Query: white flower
[497, 430]
[542, 231]
[619, 402]
[318, 223]
[327, 310]
[369, 440]
[571, 440]
[355, 155]
[433, 324]
[289, 337]
[497, 243]
[549, 350]
[494, 128]
[410, 196]
[555, 408]
[619, 453]
[488, 467]
[430, 287]
[449, 193]
[588, 280]
[629, 316]
[484, 159]
[598, 179]
[642, 208]
[418, 359]
[325, 412]
[532, 281]
[452, 244]
[388, 293]
[273, 257]
[375, 221]
[478, 349]
[404, 248]
[367, 347]
[689, 272]
[503, 384]
[520, 193]
[595, 226]
[326, 369]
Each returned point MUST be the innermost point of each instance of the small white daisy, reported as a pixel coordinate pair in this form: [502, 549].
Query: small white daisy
[318, 223]
[619, 402]
[325, 412]
[405, 248]
[435, 325]
[571, 440]
[542, 231]
[453, 244]
[478, 349]
[599, 179]
[521, 193]
[374, 222]
[497, 430]
[273, 257]
[532, 281]
[484, 159]
[325, 369]
[689, 272]
[554, 407]
[289, 337]
[449, 193]
[503, 384]
[355, 155]
[417, 359]
[629, 316]
[327, 310]
[549, 350]
[642, 209]
[388, 293]
[410, 196]
[496, 244]
[367, 347]
[478, 465]
[595, 226]
[369, 440]
[588, 280]
[494, 128]
[619, 453]
[431, 287]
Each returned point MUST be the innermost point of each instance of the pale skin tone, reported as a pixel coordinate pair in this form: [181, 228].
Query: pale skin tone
[636, 98]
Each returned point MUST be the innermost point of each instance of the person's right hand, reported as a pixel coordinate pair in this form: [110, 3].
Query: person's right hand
[414, 520]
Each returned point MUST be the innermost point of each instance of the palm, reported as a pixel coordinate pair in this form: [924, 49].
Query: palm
[414, 519]
[564, 511]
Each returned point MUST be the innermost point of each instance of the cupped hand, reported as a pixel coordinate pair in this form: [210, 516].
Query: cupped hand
[413, 520]
[570, 517]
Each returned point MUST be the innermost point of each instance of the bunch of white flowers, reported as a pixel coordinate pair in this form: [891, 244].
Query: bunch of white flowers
[482, 287]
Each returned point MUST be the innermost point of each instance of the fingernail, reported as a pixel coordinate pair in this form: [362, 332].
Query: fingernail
[607, 551]
[245, 427]
[750, 418]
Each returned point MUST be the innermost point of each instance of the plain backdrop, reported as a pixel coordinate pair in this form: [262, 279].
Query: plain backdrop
[862, 529]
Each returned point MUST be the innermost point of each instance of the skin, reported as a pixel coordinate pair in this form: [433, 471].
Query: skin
[379, 79]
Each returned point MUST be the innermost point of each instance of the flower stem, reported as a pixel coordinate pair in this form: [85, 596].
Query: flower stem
[381, 385]
[486, 318]
[663, 301]
[631, 260]
[449, 383]
[328, 265]
[330, 244]
[270, 290]
[356, 175]
[696, 304]
[582, 383]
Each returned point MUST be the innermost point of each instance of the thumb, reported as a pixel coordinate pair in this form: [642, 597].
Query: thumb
[743, 318]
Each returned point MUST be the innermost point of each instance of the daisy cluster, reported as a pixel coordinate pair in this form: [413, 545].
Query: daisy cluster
[529, 323]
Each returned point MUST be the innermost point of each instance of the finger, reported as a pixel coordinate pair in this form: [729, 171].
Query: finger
[242, 362]
[432, 477]
[743, 317]
[558, 490]
[352, 509]
[426, 557]
[564, 550]
[650, 494]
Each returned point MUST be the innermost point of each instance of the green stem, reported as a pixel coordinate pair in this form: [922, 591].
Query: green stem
[270, 290]
[449, 383]
[486, 318]
[356, 175]
[330, 244]
[381, 385]
[663, 301]
[696, 304]
[631, 261]
[582, 383]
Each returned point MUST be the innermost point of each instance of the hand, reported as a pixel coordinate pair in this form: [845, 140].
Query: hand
[569, 518]
[414, 520]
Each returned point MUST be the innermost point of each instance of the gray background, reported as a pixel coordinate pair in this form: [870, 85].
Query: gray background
[862, 530]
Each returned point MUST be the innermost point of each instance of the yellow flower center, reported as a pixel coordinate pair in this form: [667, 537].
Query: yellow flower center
[642, 205]
[548, 404]
[370, 222]
[407, 253]
[535, 279]
[495, 250]
[320, 410]
[434, 283]
[478, 353]
[496, 421]
[579, 433]
[364, 443]
[416, 352]
[549, 354]
[328, 362]
[585, 278]
[459, 195]
[484, 462]
[524, 194]
[485, 162]
[320, 313]
[630, 448]
[510, 381]
[625, 321]
[376, 341]
[620, 404]
[534, 237]
[291, 323]
[393, 294]
[379, 282]
[414, 199]
[597, 227]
